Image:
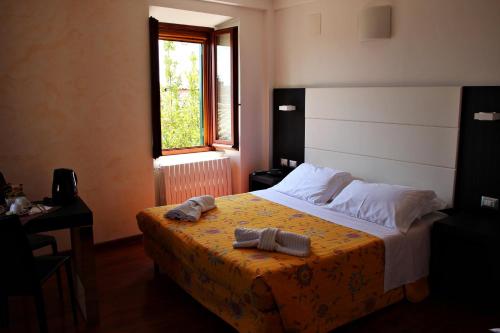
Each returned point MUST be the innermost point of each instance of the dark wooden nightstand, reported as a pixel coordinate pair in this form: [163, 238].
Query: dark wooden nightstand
[465, 258]
[261, 181]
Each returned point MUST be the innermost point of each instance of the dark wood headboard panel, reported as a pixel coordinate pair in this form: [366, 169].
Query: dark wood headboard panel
[288, 127]
[478, 171]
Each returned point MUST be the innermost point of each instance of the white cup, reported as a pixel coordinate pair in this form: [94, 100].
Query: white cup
[23, 202]
[16, 208]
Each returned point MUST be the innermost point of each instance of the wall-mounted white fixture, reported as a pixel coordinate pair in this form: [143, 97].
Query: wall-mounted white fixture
[489, 202]
[375, 23]
[287, 107]
[488, 116]
[313, 23]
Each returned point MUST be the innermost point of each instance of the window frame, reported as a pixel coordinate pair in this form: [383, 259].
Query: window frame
[206, 37]
[233, 33]
[203, 36]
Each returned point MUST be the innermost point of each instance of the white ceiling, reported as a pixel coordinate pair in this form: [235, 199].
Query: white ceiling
[179, 16]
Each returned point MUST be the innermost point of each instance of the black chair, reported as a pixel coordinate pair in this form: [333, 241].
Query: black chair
[38, 241]
[25, 274]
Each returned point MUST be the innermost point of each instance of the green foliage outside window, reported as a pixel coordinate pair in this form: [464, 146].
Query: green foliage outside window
[181, 119]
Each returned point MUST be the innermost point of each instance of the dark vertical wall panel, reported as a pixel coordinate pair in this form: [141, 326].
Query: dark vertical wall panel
[479, 149]
[288, 127]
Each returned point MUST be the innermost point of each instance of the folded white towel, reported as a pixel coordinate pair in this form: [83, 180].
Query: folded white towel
[191, 209]
[273, 239]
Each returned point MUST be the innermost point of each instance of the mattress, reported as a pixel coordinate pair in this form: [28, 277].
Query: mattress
[342, 279]
[406, 255]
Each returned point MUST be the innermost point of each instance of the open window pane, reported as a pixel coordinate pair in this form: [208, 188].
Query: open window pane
[181, 95]
[194, 88]
[224, 86]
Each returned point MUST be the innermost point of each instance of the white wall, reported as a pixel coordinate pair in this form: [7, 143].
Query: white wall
[449, 42]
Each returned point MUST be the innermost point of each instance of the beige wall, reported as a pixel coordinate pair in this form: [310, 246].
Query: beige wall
[434, 42]
[74, 92]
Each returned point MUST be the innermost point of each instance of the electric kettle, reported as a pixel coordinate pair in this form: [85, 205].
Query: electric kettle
[64, 189]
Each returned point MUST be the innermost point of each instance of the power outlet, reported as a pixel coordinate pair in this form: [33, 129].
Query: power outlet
[284, 162]
[293, 164]
[489, 202]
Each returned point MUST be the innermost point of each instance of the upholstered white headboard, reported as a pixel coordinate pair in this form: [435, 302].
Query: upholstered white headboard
[396, 135]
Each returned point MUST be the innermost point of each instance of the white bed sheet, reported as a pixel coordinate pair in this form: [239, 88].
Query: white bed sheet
[406, 256]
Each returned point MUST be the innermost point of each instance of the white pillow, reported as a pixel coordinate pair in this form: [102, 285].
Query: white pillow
[392, 206]
[314, 184]
[436, 204]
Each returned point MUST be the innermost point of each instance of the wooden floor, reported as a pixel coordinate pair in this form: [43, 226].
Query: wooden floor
[132, 300]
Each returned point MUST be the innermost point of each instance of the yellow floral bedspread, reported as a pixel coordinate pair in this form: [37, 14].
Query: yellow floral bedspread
[340, 281]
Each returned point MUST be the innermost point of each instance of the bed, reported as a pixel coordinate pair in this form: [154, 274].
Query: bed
[256, 291]
[355, 266]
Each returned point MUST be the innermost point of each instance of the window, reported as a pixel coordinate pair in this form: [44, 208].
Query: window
[194, 88]
[181, 94]
[226, 88]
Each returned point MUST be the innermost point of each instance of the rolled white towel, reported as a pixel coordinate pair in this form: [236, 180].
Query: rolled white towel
[206, 202]
[273, 239]
[191, 209]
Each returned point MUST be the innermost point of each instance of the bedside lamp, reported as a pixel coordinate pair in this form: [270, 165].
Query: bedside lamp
[286, 107]
[487, 116]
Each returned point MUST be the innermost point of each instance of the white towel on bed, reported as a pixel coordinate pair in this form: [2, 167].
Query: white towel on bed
[191, 209]
[273, 239]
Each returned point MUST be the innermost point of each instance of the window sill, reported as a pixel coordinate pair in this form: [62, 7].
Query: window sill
[187, 158]
[168, 152]
[221, 147]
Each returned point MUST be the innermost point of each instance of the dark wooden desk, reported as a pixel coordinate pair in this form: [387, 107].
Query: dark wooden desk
[78, 218]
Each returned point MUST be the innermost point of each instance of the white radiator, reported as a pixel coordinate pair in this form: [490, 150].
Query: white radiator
[178, 182]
